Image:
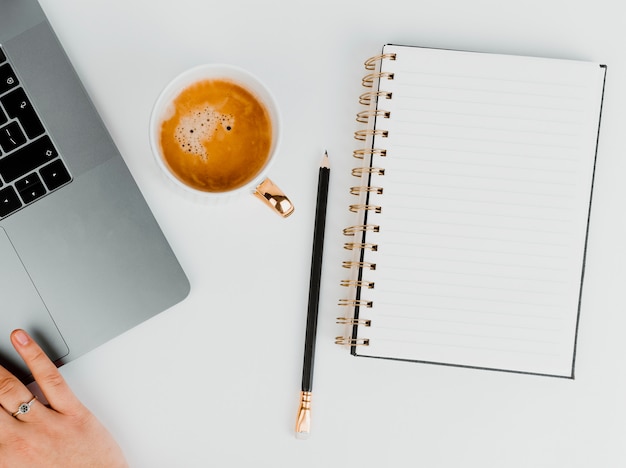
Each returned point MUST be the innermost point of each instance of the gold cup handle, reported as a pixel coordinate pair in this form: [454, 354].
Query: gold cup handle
[274, 197]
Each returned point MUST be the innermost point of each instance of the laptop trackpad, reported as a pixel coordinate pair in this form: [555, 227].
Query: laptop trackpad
[22, 307]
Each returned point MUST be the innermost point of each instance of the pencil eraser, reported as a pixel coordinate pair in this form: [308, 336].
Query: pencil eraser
[302, 435]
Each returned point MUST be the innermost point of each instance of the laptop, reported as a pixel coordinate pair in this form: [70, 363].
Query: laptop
[82, 258]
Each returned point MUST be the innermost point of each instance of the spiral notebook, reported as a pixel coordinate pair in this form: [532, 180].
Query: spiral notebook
[471, 209]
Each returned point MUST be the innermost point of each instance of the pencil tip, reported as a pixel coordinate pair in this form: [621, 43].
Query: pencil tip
[325, 160]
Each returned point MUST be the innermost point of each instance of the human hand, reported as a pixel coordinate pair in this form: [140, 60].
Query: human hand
[65, 434]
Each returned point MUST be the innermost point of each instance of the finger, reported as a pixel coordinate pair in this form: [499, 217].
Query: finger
[46, 374]
[15, 398]
[8, 424]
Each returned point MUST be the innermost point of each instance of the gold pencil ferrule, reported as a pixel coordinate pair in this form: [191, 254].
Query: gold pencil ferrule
[303, 422]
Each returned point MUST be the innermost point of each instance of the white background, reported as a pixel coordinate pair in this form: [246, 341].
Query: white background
[214, 381]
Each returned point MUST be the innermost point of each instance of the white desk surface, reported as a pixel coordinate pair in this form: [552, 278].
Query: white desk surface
[214, 381]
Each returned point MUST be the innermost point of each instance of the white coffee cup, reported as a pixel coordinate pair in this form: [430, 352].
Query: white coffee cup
[260, 185]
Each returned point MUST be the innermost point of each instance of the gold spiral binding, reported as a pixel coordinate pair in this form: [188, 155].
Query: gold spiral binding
[362, 135]
[362, 207]
[356, 303]
[361, 153]
[365, 99]
[370, 63]
[359, 171]
[364, 265]
[369, 80]
[369, 98]
[352, 230]
[353, 321]
[364, 116]
[347, 341]
[360, 246]
[365, 188]
[357, 284]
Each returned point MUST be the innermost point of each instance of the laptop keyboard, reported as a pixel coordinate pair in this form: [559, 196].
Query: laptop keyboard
[30, 166]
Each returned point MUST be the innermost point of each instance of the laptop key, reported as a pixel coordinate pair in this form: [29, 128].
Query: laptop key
[27, 182]
[11, 137]
[8, 79]
[3, 118]
[3, 57]
[9, 201]
[30, 188]
[27, 159]
[17, 106]
[55, 174]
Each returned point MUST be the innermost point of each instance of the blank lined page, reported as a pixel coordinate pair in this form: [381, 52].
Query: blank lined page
[485, 206]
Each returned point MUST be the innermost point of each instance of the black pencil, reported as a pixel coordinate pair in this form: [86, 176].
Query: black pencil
[303, 422]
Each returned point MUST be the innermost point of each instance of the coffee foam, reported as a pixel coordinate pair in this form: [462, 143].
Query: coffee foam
[198, 127]
[216, 136]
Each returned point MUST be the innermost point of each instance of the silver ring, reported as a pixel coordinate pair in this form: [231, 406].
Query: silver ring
[24, 408]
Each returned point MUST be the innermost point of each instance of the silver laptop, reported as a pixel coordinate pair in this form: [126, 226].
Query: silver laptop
[82, 259]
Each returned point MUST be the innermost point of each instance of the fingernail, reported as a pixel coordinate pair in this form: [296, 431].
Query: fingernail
[21, 337]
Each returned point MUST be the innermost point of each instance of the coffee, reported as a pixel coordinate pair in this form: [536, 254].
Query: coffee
[216, 136]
